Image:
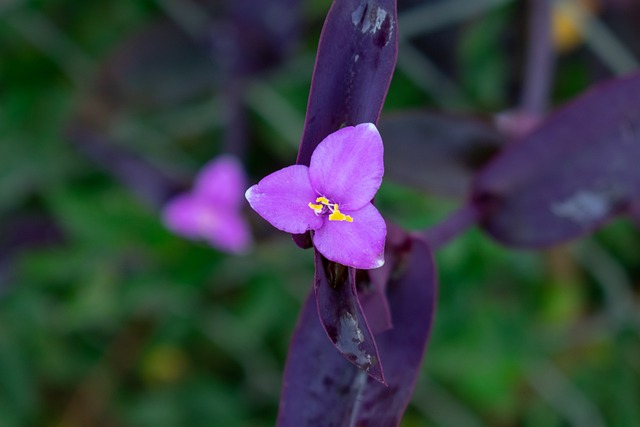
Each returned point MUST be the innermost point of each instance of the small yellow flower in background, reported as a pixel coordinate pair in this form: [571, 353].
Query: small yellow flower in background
[569, 20]
[164, 364]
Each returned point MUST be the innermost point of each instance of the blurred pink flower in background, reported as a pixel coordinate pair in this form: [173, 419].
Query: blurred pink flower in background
[211, 211]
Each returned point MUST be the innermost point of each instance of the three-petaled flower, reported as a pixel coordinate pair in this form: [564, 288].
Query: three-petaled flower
[212, 210]
[331, 197]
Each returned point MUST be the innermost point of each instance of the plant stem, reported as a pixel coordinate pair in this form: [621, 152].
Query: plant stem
[540, 59]
[454, 224]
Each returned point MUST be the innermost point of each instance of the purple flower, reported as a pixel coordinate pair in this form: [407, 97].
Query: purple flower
[332, 197]
[211, 211]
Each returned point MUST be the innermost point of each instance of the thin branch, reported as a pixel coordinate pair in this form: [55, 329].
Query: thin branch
[600, 39]
[276, 111]
[567, 399]
[432, 16]
[453, 225]
[40, 31]
[612, 277]
[424, 74]
[539, 62]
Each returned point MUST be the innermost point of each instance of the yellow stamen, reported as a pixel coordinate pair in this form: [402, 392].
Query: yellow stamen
[316, 208]
[336, 215]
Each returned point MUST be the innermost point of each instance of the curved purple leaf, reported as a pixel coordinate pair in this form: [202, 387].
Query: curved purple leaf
[372, 287]
[159, 65]
[356, 57]
[411, 294]
[320, 388]
[574, 172]
[257, 43]
[342, 316]
[437, 153]
[355, 61]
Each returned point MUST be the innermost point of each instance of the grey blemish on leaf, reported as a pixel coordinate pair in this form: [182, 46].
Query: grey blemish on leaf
[359, 18]
[381, 14]
[350, 337]
[583, 207]
[373, 20]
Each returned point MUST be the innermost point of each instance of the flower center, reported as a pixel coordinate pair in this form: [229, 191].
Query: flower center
[322, 206]
[206, 221]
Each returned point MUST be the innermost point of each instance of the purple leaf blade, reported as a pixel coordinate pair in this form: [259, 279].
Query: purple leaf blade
[342, 317]
[354, 65]
[576, 171]
[437, 153]
[158, 66]
[257, 43]
[356, 58]
[320, 388]
[412, 296]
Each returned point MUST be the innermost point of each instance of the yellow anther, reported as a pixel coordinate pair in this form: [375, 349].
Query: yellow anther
[316, 208]
[336, 215]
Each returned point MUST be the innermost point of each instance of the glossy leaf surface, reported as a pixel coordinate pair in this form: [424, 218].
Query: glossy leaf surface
[355, 61]
[577, 170]
[342, 316]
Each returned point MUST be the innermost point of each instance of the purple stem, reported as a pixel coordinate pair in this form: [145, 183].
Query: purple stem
[540, 59]
[235, 137]
[454, 224]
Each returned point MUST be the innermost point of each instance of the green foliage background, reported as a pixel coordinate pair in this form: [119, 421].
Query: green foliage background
[120, 323]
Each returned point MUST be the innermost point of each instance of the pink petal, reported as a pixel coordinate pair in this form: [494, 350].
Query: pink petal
[222, 180]
[347, 166]
[196, 218]
[358, 244]
[283, 198]
[229, 233]
[180, 215]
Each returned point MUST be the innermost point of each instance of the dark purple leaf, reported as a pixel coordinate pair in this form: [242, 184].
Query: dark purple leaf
[436, 153]
[574, 172]
[264, 32]
[372, 294]
[150, 184]
[160, 65]
[411, 294]
[163, 63]
[320, 388]
[635, 211]
[355, 61]
[342, 316]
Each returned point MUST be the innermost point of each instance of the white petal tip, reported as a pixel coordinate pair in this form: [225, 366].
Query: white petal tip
[379, 263]
[250, 192]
